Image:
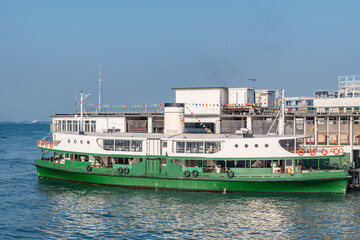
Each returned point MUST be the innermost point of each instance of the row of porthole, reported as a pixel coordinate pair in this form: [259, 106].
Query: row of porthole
[81, 141]
[256, 145]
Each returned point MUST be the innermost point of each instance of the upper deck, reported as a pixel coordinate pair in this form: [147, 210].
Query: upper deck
[186, 145]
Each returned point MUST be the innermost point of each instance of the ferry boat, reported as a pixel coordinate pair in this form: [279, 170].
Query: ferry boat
[239, 162]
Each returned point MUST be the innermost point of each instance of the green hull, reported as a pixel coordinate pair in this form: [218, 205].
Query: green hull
[319, 182]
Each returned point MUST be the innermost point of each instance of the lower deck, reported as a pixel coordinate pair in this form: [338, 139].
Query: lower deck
[176, 165]
[263, 175]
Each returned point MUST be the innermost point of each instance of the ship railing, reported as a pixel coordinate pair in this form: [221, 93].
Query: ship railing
[290, 110]
[125, 110]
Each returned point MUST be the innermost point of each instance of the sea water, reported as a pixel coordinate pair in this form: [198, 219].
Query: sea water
[55, 209]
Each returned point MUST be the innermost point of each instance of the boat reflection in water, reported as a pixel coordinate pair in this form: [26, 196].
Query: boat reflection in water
[73, 210]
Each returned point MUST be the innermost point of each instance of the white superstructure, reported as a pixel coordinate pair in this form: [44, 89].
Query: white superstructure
[188, 145]
[206, 100]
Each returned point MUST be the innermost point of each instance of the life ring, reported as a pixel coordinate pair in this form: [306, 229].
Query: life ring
[186, 173]
[289, 169]
[89, 168]
[313, 151]
[336, 151]
[324, 151]
[42, 144]
[46, 144]
[51, 145]
[341, 149]
[38, 143]
[230, 174]
[300, 152]
[195, 173]
[120, 170]
[126, 170]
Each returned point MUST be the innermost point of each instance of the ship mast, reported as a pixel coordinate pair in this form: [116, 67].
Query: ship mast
[81, 111]
[82, 98]
[281, 124]
[76, 105]
[100, 80]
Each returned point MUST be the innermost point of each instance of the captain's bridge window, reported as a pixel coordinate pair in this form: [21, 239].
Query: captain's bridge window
[196, 147]
[120, 145]
[73, 125]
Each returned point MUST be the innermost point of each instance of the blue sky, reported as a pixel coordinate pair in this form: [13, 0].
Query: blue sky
[50, 50]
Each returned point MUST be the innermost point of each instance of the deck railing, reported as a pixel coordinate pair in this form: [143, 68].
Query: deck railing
[125, 110]
[226, 109]
[290, 110]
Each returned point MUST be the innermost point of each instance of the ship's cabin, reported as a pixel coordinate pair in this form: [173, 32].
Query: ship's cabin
[240, 167]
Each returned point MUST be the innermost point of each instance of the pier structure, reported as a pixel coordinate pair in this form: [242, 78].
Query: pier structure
[331, 118]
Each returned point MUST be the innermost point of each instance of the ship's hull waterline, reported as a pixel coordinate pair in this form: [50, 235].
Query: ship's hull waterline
[329, 182]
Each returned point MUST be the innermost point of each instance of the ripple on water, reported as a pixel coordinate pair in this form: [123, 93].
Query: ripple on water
[102, 211]
[46, 208]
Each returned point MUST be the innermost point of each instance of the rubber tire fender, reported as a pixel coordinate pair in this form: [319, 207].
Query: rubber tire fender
[120, 170]
[230, 174]
[89, 168]
[186, 173]
[126, 170]
[195, 173]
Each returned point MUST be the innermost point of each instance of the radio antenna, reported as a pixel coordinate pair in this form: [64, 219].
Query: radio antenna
[100, 80]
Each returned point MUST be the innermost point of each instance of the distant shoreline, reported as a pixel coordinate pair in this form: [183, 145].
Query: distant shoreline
[26, 122]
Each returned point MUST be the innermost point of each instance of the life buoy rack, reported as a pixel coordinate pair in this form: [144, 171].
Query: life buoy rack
[324, 151]
[301, 152]
[186, 173]
[336, 151]
[289, 169]
[195, 173]
[313, 151]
